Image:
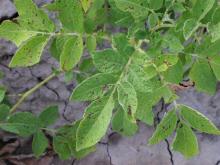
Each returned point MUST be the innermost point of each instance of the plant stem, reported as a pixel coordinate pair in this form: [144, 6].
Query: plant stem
[29, 92]
[162, 26]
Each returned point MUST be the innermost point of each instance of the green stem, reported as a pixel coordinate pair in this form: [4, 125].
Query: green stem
[162, 26]
[32, 90]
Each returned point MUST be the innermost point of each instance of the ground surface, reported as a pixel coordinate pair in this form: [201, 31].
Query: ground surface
[114, 149]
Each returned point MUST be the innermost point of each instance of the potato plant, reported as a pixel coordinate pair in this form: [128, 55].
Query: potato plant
[150, 46]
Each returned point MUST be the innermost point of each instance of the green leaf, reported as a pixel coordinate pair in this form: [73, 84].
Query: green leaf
[118, 17]
[82, 153]
[185, 141]
[93, 87]
[39, 143]
[165, 128]
[86, 4]
[68, 77]
[108, 60]
[94, 123]
[208, 48]
[30, 52]
[55, 52]
[216, 16]
[33, 18]
[64, 143]
[215, 32]
[61, 146]
[95, 16]
[91, 43]
[198, 121]
[147, 100]
[87, 68]
[153, 20]
[71, 53]
[144, 109]
[174, 74]
[15, 32]
[121, 43]
[164, 62]
[2, 93]
[4, 112]
[22, 123]
[127, 97]
[70, 14]
[138, 76]
[57, 45]
[173, 43]
[178, 7]
[201, 8]
[156, 4]
[49, 116]
[123, 123]
[190, 26]
[136, 8]
[203, 76]
[215, 65]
